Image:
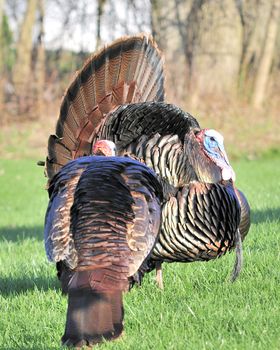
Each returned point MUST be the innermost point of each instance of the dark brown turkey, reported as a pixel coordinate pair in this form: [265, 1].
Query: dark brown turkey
[96, 219]
[119, 95]
[101, 225]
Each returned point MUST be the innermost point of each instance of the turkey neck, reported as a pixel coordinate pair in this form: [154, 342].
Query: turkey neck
[204, 168]
[166, 156]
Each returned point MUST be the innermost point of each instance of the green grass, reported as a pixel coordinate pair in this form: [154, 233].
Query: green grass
[199, 308]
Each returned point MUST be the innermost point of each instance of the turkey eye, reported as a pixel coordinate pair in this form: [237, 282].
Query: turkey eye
[196, 131]
[212, 138]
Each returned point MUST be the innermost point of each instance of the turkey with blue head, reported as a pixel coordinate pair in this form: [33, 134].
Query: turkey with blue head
[119, 96]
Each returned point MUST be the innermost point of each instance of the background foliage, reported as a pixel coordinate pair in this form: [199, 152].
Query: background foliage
[222, 60]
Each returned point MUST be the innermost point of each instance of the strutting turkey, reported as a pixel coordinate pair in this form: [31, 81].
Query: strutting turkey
[119, 96]
[101, 224]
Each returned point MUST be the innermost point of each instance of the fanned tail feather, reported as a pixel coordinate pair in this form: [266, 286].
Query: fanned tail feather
[129, 70]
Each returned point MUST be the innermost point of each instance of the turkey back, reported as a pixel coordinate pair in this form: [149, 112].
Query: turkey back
[113, 204]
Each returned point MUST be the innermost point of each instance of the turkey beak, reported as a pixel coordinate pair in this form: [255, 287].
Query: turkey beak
[223, 162]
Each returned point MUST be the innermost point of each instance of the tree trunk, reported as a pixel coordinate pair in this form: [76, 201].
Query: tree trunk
[40, 63]
[100, 10]
[1, 58]
[266, 56]
[254, 15]
[22, 68]
[168, 20]
[202, 43]
[216, 50]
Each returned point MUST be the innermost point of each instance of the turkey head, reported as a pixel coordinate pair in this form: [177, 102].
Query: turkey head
[207, 156]
[104, 148]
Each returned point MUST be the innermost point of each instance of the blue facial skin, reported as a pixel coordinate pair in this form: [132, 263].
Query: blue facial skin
[214, 148]
[213, 143]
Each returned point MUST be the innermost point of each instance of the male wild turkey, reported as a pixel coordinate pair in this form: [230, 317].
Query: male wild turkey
[119, 96]
[101, 224]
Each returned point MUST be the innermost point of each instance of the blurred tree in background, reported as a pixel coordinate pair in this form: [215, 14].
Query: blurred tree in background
[22, 67]
[268, 45]
[1, 55]
[222, 47]
[217, 51]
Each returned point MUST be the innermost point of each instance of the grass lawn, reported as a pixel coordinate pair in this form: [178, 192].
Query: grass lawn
[199, 308]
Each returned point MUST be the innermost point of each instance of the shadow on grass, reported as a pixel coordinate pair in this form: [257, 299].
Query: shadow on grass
[19, 285]
[265, 215]
[15, 234]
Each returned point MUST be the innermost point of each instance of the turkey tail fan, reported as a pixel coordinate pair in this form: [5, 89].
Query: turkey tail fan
[129, 70]
[92, 315]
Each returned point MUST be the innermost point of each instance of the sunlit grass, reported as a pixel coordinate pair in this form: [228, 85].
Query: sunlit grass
[198, 309]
